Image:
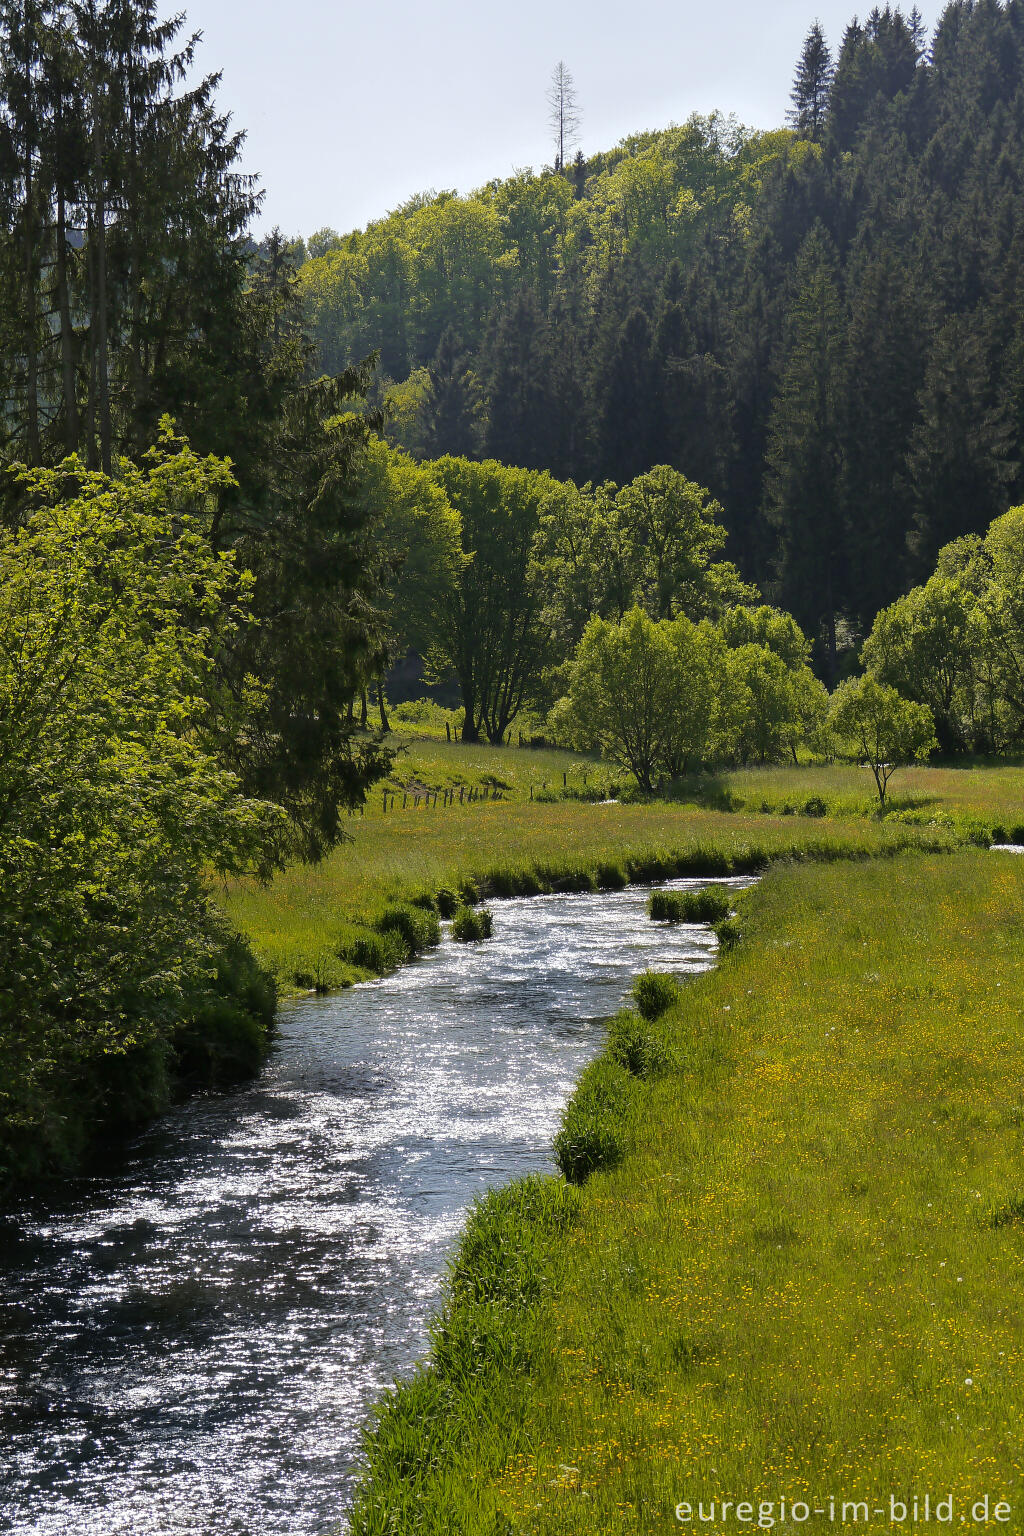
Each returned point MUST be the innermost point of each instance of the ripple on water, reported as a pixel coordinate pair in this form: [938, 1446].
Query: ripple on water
[193, 1342]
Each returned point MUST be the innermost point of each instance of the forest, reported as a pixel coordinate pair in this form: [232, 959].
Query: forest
[821, 324]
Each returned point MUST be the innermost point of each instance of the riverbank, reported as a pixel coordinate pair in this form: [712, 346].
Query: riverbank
[797, 1281]
[321, 927]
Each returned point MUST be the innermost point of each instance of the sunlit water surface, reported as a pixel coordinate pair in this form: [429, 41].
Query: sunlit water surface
[192, 1343]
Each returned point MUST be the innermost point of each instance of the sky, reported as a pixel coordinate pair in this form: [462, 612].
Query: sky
[351, 108]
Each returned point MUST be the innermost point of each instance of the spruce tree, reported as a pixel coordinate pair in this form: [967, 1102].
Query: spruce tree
[811, 86]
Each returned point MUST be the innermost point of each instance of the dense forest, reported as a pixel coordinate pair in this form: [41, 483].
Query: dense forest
[823, 324]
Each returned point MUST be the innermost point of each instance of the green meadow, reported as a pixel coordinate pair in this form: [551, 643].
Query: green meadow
[306, 925]
[791, 1270]
[780, 1257]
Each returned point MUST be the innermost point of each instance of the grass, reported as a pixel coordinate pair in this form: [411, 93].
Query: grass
[792, 1268]
[515, 773]
[984, 799]
[317, 926]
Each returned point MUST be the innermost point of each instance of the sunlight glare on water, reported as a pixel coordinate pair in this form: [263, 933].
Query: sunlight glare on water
[191, 1344]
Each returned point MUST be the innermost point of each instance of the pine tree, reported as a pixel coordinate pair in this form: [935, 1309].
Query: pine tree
[883, 374]
[452, 407]
[627, 423]
[563, 113]
[519, 416]
[811, 86]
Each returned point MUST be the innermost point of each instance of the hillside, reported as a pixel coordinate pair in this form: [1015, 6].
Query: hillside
[822, 324]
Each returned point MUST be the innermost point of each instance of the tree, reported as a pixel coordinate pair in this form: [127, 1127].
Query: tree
[651, 544]
[641, 691]
[319, 630]
[563, 116]
[489, 632]
[767, 627]
[674, 529]
[811, 86]
[804, 447]
[926, 645]
[758, 715]
[416, 551]
[881, 728]
[115, 803]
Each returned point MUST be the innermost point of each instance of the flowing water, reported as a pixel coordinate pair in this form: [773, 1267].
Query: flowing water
[191, 1343]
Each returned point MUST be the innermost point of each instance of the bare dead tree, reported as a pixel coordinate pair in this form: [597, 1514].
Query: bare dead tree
[563, 116]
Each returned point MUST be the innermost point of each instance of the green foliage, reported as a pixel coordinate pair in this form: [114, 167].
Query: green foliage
[651, 544]
[707, 906]
[415, 928]
[881, 728]
[654, 994]
[641, 692]
[472, 924]
[595, 1132]
[636, 1046]
[114, 805]
[488, 630]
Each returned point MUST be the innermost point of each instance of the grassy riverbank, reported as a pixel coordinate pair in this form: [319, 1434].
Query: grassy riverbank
[798, 1281]
[318, 926]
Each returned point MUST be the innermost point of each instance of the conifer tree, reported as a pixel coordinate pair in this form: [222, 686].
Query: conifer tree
[811, 86]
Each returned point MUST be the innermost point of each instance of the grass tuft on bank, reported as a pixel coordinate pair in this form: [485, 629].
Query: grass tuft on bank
[790, 1270]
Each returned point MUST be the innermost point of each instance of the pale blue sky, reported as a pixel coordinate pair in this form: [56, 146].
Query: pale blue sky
[351, 108]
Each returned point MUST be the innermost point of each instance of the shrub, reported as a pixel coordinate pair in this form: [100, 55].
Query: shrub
[655, 994]
[815, 806]
[378, 952]
[611, 878]
[447, 903]
[225, 1034]
[595, 1126]
[711, 905]
[728, 933]
[635, 1046]
[472, 924]
[417, 929]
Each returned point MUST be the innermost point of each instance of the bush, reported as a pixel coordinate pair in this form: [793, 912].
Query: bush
[815, 806]
[447, 903]
[595, 1126]
[655, 994]
[635, 1046]
[728, 933]
[225, 1035]
[711, 905]
[378, 952]
[472, 924]
[417, 929]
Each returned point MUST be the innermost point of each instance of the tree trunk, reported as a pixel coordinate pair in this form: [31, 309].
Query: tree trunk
[102, 361]
[32, 443]
[67, 340]
[385, 723]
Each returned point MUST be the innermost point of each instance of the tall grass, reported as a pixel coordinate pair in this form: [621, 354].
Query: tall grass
[797, 1275]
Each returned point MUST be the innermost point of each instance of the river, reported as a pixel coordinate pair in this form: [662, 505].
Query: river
[191, 1343]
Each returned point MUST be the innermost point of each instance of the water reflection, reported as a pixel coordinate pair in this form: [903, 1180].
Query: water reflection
[192, 1344]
